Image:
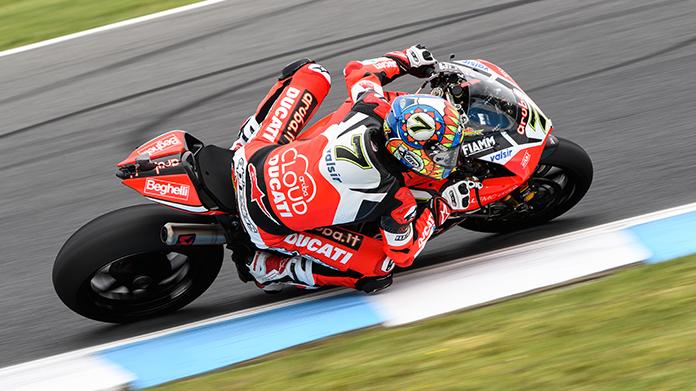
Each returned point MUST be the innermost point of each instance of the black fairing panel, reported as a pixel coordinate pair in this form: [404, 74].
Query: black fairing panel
[214, 166]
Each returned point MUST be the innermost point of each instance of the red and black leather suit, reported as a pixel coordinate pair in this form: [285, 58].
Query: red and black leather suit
[292, 193]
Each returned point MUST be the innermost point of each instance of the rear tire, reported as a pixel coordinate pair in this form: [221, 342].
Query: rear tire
[573, 162]
[122, 250]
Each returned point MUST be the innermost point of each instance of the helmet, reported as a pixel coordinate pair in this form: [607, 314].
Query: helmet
[424, 133]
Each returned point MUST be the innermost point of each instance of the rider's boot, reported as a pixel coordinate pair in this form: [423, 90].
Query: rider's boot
[272, 271]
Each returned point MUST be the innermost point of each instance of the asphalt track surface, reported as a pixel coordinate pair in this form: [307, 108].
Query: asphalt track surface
[618, 77]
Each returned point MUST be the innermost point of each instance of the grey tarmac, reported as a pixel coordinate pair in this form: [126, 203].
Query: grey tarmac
[618, 77]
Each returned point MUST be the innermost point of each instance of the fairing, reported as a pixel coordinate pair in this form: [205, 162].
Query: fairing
[505, 127]
[158, 170]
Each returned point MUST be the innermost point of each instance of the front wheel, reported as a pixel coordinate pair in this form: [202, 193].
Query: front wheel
[116, 268]
[560, 181]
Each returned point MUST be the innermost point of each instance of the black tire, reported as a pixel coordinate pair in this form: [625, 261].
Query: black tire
[128, 240]
[575, 163]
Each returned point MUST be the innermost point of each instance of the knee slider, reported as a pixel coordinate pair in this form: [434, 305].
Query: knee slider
[293, 67]
[373, 284]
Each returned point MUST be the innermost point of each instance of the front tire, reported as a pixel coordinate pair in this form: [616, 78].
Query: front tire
[567, 171]
[116, 268]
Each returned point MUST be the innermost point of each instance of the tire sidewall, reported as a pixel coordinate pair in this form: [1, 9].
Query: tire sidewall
[124, 232]
[567, 155]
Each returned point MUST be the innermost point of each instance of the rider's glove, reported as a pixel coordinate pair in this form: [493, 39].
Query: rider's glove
[421, 60]
[440, 210]
[416, 60]
[457, 195]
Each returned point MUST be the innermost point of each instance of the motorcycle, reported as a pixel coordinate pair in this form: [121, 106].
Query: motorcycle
[147, 260]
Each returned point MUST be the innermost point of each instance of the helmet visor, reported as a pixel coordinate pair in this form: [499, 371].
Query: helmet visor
[441, 155]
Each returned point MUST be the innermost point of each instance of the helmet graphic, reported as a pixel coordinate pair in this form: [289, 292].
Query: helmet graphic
[424, 133]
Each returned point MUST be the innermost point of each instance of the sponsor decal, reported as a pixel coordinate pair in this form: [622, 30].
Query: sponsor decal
[477, 146]
[365, 85]
[525, 159]
[240, 166]
[299, 116]
[445, 66]
[158, 145]
[270, 132]
[470, 184]
[425, 234]
[413, 160]
[403, 237]
[504, 154]
[292, 186]
[331, 166]
[410, 215]
[525, 114]
[385, 64]
[321, 70]
[368, 85]
[387, 265]
[444, 214]
[474, 64]
[381, 63]
[162, 188]
[494, 196]
[257, 194]
[346, 238]
[168, 163]
[186, 239]
[316, 246]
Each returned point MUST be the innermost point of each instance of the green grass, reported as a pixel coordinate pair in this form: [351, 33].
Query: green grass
[27, 21]
[635, 330]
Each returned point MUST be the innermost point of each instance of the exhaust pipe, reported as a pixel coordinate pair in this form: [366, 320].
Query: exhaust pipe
[189, 234]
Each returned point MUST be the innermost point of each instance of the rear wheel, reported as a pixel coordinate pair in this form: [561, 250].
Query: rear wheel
[560, 181]
[116, 268]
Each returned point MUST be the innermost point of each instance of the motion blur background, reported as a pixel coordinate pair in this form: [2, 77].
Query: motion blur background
[617, 77]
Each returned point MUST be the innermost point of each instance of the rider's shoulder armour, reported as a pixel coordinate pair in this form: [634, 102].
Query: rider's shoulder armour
[359, 167]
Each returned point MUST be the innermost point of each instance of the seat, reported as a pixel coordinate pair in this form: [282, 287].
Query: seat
[214, 166]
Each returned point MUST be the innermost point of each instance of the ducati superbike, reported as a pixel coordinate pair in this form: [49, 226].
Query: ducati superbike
[147, 260]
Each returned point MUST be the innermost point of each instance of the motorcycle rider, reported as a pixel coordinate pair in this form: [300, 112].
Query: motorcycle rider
[293, 193]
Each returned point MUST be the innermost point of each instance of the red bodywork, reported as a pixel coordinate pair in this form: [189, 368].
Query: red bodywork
[522, 164]
[170, 185]
[167, 183]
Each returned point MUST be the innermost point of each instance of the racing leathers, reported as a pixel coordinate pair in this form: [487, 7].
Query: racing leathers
[293, 193]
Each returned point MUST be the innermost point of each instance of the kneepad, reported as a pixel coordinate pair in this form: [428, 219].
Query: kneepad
[293, 67]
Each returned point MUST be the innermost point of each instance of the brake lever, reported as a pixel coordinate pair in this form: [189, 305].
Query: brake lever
[432, 77]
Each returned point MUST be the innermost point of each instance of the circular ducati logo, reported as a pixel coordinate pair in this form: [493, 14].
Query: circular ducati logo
[420, 126]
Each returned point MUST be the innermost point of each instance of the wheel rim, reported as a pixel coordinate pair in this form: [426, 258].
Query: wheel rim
[553, 187]
[141, 283]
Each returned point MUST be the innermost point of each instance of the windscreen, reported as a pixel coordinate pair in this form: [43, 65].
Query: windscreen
[492, 107]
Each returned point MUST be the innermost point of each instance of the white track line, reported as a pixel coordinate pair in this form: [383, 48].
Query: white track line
[582, 233]
[127, 22]
[613, 226]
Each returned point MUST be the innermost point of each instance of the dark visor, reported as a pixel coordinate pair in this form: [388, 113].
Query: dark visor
[441, 155]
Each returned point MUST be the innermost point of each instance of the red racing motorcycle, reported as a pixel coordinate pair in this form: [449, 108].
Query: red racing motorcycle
[146, 260]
